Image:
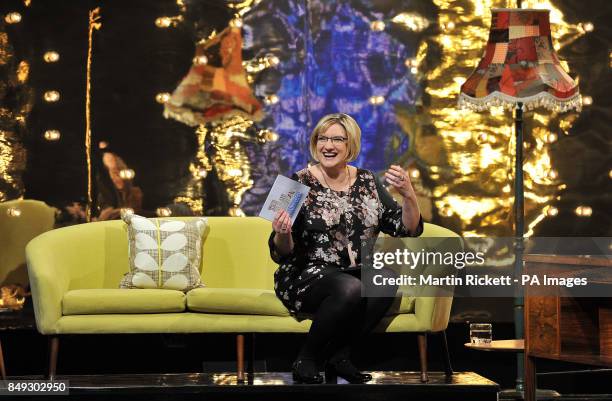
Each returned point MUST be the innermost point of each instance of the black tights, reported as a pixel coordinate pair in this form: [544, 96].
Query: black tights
[341, 315]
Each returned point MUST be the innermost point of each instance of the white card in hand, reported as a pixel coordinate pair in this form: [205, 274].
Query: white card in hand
[285, 194]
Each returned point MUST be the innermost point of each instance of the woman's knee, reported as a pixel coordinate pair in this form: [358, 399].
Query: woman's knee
[348, 289]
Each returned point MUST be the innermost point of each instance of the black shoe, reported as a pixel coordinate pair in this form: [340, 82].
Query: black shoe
[305, 371]
[345, 369]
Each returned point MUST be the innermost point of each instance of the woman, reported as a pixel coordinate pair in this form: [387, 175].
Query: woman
[319, 256]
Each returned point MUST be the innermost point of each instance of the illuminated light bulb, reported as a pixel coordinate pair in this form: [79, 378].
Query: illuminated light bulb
[377, 26]
[51, 57]
[234, 172]
[587, 100]
[610, 173]
[411, 62]
[587, 26]
[52, 135]
[553, 174]
[449, 26]
[552, 137]
[414, 173]
[162, 97]
[526, 145]
[250, 79]
[376, 100]
[584, 211]
[236, 23]
[610, 59]
[103, 145]
[271, 99]
[459, 80]
[273, 60]
[200, 60]
[51, 96]
[552, 211]
[127, 174]
[414, 70]
[13, 18]
[202, 173]
[506, 189]
[13, 212]
[271, 136]
[163, 212]
[126, 211]
[163, 22]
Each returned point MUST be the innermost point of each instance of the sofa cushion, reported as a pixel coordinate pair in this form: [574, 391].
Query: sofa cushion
[244, 301]
[103, 301]
[164, 253]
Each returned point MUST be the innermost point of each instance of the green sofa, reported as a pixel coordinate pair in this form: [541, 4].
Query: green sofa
[74, 274]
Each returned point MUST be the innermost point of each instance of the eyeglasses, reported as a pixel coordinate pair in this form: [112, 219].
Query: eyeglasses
[336, 140]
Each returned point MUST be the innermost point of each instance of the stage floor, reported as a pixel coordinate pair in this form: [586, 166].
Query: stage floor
[277, 386]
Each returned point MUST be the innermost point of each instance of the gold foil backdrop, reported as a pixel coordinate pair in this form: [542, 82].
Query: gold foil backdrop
[12, 119]
[470, 157]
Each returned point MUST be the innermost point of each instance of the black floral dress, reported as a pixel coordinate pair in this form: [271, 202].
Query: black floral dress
[327, 224]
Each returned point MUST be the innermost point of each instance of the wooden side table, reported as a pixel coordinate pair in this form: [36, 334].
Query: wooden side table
[499, 345]
[516, 345]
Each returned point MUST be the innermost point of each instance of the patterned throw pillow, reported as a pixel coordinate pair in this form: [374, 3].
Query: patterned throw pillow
[164, 253]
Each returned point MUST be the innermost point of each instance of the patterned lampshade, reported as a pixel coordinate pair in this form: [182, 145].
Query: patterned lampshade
[520, 66]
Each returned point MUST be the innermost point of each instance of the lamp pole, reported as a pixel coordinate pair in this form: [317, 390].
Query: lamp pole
[519, 246]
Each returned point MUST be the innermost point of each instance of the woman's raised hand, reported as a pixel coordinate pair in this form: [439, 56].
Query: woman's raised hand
[397, 177]
[282, 222]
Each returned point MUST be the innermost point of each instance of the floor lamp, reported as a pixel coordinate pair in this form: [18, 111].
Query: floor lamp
[519, 70]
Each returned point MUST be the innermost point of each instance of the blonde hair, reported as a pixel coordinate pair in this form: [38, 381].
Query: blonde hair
[352, 130]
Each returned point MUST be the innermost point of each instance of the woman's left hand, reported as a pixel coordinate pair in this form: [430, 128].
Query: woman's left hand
[397, 177]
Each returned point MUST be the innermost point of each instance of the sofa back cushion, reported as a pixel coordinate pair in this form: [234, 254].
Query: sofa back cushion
[236, 253]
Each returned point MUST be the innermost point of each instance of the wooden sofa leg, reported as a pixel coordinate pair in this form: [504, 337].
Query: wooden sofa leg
[2, 368]
[250, 353]
[448, 368]
[240, 357]
[422, 340]
[53, 351]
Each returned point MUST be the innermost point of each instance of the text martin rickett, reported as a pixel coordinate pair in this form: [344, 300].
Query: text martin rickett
[470, 279]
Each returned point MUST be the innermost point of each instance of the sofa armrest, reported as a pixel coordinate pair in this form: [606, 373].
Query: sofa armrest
[69, 258]
[433, 312]
[49, 280]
